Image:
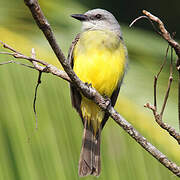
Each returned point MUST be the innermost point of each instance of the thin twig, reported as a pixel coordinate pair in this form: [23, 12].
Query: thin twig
[33, 55]
[164, 33]
[175, 45]
[164, 62]
[158, 117]
[135, 20]
[9, 47]
[166, 95]
[21, 56]
[148, 105]
[155, 92]
[15, 62]
[35, 97]
[169, 85]
[163, 125]
[7, 53]
[156, 78]
[91, 93]
[145, 17]
[49, 68]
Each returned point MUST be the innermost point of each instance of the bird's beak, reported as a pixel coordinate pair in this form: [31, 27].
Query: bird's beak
[80, 17]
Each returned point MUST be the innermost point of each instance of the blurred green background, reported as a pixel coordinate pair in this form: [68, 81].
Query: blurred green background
[52, 151]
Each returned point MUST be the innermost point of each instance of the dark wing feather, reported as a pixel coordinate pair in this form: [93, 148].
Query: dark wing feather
[75, 95]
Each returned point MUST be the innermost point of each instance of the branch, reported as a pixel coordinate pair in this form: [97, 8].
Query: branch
[175, 45]
[43, 24]
[49, 68]
[163, 125]
[165, 34]
[33, 55]
[92, 93]
[169, 85]
[15, 62]
[157, 76]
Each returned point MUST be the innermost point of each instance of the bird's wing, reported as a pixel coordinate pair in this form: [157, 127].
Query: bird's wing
[75, 95]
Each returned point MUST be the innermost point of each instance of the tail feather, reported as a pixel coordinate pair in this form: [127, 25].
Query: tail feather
[89, 163]
[96, 157]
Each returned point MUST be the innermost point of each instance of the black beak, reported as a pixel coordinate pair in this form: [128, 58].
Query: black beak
[80, 17]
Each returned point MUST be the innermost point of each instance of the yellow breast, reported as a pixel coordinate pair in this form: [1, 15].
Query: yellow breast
[99, 60]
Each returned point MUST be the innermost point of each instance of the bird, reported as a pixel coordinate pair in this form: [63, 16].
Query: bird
[98, 56]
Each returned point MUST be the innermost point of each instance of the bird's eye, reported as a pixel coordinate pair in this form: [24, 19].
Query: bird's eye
[98, 16]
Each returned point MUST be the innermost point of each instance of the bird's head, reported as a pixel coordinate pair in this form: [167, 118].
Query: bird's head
[98, 19]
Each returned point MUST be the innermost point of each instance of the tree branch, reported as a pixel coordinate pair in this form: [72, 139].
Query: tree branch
[47, 68]
[43, 24]
[33, 55]
[156, 78]
[165, 34]
[169, 86]
[175, 45]
[15, 62]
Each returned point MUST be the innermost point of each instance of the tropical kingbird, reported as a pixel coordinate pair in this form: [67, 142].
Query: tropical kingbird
[98, 56]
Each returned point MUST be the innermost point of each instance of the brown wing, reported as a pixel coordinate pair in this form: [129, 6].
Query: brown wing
[75, 95]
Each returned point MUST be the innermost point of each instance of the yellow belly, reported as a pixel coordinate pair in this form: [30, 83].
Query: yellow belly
[99, 60]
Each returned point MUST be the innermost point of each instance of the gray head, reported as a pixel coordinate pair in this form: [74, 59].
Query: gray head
[98, 19]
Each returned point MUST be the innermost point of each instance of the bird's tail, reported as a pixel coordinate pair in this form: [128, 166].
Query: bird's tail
[90, 163]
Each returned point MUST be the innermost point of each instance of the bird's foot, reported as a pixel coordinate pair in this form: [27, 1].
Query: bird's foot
[88, 84]
[107, 101]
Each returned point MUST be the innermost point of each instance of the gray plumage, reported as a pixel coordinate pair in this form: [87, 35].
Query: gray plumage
[106, 22]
